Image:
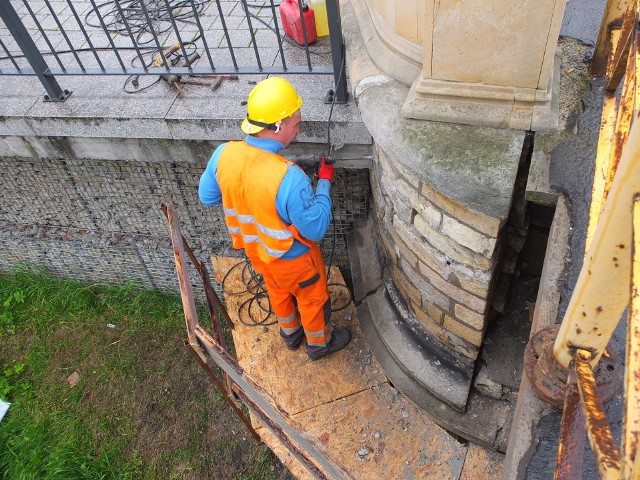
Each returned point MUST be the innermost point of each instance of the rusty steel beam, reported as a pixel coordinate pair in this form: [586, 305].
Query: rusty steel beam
[614, 130]
[601, 293]
[611, 20]
[631, 417]
[186, 289]
[598, 430]
[622, 40]
[573, 433]
[306, 449]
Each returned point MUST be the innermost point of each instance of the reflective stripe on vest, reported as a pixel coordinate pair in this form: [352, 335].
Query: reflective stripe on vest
[256, 239]
[273, 233]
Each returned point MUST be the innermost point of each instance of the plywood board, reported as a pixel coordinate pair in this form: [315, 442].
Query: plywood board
[378, 434]
[290, 377]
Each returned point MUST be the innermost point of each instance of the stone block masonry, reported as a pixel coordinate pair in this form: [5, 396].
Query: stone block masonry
[441, 255]
[89, 209]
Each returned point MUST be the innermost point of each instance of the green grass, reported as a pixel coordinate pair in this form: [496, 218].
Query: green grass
[143, 407]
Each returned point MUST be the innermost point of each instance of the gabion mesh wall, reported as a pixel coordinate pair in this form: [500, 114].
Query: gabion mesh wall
[100, 220]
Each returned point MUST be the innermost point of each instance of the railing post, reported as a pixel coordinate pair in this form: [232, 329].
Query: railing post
[21, 35]
[339, 94]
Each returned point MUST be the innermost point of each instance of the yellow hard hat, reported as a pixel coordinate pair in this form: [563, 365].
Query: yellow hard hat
[270, 101]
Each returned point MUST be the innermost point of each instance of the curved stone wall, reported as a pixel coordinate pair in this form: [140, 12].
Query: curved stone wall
[440, 255]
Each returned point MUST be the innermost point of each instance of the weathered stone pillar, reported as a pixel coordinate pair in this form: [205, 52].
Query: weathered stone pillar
[446, 88]
[488, 62]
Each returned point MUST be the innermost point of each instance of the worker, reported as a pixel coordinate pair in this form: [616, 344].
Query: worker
[272, 212]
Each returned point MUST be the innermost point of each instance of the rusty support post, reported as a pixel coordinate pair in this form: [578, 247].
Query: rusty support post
[621, 41]
[631, 417]
[600, 437]
[572, 434]
[611, 20]
[213, 302]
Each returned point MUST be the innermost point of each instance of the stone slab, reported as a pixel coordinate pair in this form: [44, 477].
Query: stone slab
[529, 408]
[474, 166]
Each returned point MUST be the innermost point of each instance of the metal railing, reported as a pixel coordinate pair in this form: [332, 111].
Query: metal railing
[609, 281]
[168, 38]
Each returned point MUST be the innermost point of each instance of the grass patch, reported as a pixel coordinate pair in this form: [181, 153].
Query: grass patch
[142, 407]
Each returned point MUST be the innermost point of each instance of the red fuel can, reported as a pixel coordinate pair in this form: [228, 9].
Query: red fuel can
[290, 17]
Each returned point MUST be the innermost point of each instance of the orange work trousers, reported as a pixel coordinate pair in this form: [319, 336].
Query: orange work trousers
[305, 279]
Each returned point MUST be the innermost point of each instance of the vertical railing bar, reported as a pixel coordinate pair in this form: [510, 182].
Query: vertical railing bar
[631, 413]
[106, 32]
[226, 34]
[175, 27]
[133, 40]
[253, 37]
[84, 32]
[201, 30]
[32, 53]
[600, 436]
[6, 50]
[304, 35]
[44, 35]
[154, 35]
[337, 51]
[65, 36]
[278, 36]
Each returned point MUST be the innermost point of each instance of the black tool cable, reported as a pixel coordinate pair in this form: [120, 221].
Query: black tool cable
[151, 17]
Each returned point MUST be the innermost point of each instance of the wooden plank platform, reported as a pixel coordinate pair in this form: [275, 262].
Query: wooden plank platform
[345, 401]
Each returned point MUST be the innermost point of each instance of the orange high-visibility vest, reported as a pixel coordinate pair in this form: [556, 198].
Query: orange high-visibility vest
[249, 179]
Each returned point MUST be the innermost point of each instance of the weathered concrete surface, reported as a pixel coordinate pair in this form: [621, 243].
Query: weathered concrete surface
[582, 19]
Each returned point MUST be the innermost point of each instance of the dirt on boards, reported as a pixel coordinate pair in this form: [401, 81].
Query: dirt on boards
[344, 400]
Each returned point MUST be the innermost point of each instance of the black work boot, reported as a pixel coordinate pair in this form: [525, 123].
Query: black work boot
[294, 340]
[339, 339]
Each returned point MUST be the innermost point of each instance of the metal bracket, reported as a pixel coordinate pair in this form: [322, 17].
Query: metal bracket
[549, 378]
[60, 98]
[331, 97]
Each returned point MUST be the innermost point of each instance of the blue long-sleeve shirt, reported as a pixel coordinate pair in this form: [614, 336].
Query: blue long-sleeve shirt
[296, 203]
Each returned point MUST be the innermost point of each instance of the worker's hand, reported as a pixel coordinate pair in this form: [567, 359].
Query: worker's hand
[325, 172]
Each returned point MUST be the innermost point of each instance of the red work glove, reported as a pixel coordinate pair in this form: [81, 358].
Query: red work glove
[325, 172]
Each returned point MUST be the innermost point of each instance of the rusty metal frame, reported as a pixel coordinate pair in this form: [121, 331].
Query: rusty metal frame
[236, 383]
[609, 280]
